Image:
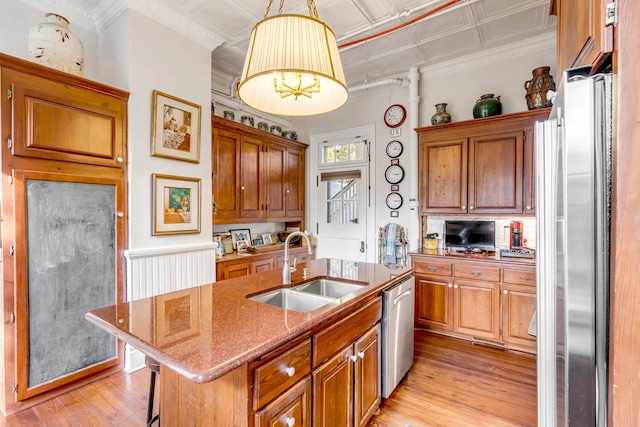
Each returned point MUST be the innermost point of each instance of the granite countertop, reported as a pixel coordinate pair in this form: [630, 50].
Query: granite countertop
[207, 331]
[494, 257]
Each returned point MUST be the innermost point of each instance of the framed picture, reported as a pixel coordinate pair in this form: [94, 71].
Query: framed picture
[240, 235]
[176, 128]
[266, 238]
[176, 204]
[257, 241]
[243, 245]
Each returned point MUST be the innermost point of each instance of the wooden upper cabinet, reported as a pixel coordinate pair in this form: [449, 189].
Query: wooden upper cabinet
[495, 172]
[443, 176]
[257, 176]
[251, 193]
[481, 166]
[54, 120]
[294, 189]
[583, 36]
[226, 176]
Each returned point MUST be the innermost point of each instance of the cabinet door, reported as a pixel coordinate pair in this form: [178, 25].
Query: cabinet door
[476, 309]
[274, 180]
[226, 175]
[495, 173]
[434, 303]
[518, 306]
[529, 174]
[229, 271]
[67, 230]
[443, 175]
[367, 376]
[262, 265]
[251, 190]
[292, 408]
[583, 38]
[58, 121]
[294, 187]
[333, 391]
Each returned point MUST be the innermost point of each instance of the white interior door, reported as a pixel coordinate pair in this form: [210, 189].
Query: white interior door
[342, 213]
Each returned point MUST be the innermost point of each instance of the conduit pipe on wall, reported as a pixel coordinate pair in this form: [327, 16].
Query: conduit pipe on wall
[365, 86]
[415, 240]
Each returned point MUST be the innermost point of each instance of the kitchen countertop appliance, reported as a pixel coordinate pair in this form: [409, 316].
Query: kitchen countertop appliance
[573, 172]
[397, 333]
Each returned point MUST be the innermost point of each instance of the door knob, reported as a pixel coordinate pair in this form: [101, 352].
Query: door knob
[362, 246]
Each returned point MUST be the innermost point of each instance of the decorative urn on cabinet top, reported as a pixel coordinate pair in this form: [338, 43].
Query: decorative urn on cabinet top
[52, 44]
[441, 116]
[537, 88]
[487, 106]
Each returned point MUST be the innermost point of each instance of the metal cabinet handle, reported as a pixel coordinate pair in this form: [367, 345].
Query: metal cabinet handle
[455, 286]
[242, 188]
[288, 191]
[470, 207]
[505, 292]
[361, 355]
[464, 207]
[450, 285]
[290, 371]
[476, 273]
[119, 159]
[290, 421]
[432, 268]
[528, 206]
[353, 358]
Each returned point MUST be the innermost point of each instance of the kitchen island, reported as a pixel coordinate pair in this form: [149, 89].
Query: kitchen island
[229, 360]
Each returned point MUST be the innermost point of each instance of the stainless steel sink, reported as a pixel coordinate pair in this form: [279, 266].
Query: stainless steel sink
[328, 287]
[290, 299]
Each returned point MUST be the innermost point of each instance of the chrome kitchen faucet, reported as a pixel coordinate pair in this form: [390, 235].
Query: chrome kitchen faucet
[286, 268]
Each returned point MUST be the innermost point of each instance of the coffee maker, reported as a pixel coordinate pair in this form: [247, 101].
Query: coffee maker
[515, 235]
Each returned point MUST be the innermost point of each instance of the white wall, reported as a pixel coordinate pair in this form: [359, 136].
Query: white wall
[460, 89]
[165, 60]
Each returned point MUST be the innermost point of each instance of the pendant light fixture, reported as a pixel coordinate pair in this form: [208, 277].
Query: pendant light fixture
[293, 67]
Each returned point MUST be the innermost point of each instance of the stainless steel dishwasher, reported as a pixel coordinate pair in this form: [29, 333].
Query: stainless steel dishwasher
[397, 333]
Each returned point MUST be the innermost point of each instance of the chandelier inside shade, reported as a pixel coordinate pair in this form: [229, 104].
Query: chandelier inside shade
[293, 67]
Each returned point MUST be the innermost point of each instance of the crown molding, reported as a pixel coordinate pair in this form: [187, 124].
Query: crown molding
[107, 11]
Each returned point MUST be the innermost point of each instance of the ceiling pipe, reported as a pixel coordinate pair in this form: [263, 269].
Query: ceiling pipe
[415, 240]
[385, 82]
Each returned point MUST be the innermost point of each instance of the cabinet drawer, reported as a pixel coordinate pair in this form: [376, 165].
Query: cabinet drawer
[294, 405]
[519, 277]
[431, 267]
[331, 340]
[278, 374]
[471, 271]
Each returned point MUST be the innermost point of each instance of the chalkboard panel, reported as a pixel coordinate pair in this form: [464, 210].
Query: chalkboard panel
[71, 238]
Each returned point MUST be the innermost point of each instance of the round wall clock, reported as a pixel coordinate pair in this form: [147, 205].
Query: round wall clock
[395, 116]
[394, 200]
[394, 149]
[394, 174]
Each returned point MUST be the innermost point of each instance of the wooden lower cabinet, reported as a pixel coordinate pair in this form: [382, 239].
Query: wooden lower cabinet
[292, 408]
[346, 389]
[235, 265]
[481, 300]
[476, 308]
[434, 303]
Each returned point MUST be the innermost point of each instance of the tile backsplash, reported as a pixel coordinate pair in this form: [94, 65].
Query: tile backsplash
[435, 224]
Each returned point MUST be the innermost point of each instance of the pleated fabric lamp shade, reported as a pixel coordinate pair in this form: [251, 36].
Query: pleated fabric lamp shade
[293, 67]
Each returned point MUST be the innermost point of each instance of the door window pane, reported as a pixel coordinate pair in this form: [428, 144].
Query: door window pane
[342, 201]
[342, 153]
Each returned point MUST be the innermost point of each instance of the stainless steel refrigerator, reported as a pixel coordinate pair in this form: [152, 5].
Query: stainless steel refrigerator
[573, 172]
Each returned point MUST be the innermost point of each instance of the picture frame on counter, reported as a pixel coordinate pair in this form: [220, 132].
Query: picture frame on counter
[257, 241]
[266, 239]
[176, 204]
[176, 128]
[240, 235]
[242, 245]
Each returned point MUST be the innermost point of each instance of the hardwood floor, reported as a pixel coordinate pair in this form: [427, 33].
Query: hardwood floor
[452, 383]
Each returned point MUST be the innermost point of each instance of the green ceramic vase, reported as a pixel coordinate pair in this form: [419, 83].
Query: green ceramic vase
[487, 106]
